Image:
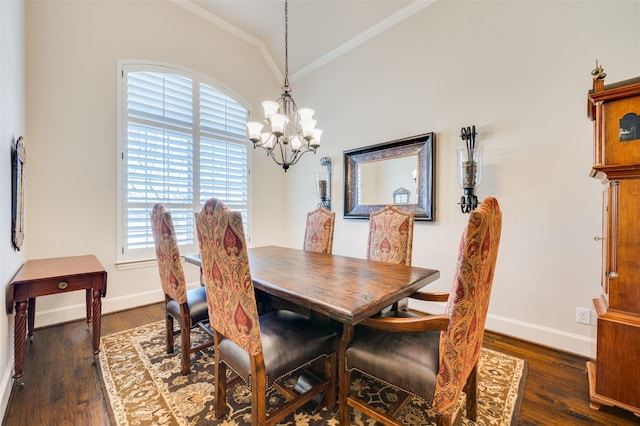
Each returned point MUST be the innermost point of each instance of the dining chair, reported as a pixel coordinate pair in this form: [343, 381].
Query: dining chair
[187, 307]
[318, 234]
[259, 349]
[391, 235]
[391, 240]
[434, 357]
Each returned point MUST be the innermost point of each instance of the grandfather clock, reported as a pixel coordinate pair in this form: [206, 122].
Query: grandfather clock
[614, 376]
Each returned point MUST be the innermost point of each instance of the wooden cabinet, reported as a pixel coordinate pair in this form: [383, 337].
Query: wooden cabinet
[614, 376]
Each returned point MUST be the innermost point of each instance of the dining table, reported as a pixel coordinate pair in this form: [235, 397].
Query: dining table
[345, 289]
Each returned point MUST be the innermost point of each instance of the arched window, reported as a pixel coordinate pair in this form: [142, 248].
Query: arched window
[182, 140]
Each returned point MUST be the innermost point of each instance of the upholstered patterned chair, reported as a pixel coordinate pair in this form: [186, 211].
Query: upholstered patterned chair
[391, 235]
[434, 357]
[318, 235]
[259, 349]
[391, 241]
[188, 308]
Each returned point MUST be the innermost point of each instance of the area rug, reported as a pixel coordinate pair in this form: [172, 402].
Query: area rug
[145, 387]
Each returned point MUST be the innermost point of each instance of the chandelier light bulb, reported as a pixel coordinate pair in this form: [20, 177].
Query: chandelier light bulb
[255, 130]
[315, 142]
[296, 143]
[305, 114]
[270, 109]
[268, 141]
[278, 124]
[308, 126]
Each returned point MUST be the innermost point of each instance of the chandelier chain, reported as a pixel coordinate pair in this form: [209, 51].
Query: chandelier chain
[286, 44]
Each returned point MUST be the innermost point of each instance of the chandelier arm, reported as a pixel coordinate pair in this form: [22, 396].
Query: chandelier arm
[300, 154]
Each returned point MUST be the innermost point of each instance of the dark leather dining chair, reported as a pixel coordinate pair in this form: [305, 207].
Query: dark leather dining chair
[391, 240]
[318, 234]
[187, 307]
[260, 349]
[434, 357]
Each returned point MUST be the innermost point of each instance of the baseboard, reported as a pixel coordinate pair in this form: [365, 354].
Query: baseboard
[6, 384]
[78, 311]
[545, 336]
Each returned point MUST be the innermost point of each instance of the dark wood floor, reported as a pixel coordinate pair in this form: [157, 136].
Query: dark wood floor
[62, 387]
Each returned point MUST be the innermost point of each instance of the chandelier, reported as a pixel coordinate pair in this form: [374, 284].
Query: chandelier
[290, 132]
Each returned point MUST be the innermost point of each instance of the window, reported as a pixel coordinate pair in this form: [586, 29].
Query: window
[182, 140]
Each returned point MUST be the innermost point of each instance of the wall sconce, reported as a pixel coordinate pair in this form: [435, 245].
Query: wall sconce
[323, 184]
[468, 168]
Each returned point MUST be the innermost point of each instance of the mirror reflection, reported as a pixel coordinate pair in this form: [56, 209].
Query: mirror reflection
[388, 181]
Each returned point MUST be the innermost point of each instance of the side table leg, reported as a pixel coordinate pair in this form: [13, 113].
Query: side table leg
[97, 320]
[19, 338]
[31, 317]
[89, 304]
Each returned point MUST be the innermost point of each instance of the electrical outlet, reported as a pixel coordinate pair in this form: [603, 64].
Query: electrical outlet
[583, 316]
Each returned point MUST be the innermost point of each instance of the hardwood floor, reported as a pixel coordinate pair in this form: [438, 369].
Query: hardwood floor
[62, 387]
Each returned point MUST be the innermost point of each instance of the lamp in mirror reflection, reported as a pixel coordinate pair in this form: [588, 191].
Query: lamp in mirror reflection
[287, 132]
[469, 161]
[323, 184]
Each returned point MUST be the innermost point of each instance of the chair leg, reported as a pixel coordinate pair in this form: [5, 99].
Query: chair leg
[258, 391]
[185, 339]
[169, 327]
[330, 372]
[344, 388]
[220, 384]
[443, 420]
[471, 389]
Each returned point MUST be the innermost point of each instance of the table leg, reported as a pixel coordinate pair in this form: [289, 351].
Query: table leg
[343, 386]
[31, 317]
[97, 319]
[19, 338]
[89, 303]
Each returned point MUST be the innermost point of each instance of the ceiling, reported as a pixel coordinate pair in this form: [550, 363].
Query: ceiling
[319, 30]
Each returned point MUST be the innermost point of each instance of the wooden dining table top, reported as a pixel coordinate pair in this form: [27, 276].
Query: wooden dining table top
[346, 289]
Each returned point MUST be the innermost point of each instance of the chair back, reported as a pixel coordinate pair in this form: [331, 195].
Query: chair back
[468, 302]
[225, 264]
[318, 234]
[391, 235]
[168, 254]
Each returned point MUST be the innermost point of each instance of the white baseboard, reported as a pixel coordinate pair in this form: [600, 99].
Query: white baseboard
[109, 304]
[6, 383]
[545, 336]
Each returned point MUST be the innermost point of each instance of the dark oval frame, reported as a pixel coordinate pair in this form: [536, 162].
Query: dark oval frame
[423, 146]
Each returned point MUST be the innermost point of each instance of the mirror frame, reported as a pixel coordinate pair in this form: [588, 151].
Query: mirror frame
[421, 145]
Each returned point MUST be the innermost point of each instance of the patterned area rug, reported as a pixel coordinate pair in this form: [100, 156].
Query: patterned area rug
[145, 387]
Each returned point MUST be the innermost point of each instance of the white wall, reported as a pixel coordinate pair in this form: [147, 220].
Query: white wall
[12, 126]
[72, 53]
[520, 72]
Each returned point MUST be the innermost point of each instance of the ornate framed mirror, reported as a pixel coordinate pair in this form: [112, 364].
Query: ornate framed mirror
[374, 173]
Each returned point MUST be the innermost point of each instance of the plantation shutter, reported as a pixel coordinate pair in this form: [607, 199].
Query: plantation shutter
[186, 143]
